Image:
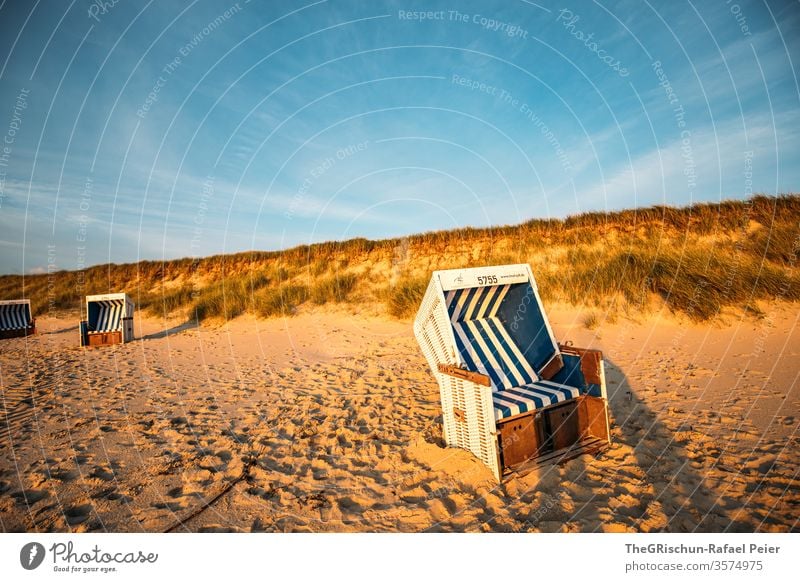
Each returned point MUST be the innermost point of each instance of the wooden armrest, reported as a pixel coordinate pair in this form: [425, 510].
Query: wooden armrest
[590, 362]
[463, 374]
[552, 367]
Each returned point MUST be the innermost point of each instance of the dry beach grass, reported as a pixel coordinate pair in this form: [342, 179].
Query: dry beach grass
[695, 260]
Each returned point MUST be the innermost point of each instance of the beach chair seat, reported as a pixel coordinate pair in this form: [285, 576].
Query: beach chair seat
[509, 392]
[522, 399]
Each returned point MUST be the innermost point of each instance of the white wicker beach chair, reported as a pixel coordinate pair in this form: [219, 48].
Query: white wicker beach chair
[16, 319]
[510, 393]
[109, 320]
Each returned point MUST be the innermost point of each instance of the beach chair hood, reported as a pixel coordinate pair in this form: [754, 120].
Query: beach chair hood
[16, 319]
[496, 324]
[15, 314]
[106, 312]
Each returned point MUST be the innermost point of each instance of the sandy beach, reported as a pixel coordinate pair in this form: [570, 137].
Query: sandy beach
[330, 421]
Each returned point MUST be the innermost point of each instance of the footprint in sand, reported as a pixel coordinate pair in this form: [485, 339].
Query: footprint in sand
[30, 496]
[77, 514]
[102, 473]
[169, 505]
[65, 475]
[112, 494]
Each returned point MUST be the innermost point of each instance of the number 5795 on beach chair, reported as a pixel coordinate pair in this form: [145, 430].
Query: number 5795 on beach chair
[510, 393]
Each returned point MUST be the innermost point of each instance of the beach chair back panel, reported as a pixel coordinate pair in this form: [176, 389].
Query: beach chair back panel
[15, 315]
[106, 315]
[475, 302]
[522, 315]
[482, 340]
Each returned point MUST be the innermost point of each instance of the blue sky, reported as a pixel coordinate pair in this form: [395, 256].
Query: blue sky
[159, 130]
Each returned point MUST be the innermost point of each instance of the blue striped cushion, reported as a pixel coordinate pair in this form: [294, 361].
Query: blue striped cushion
[513, 401]
[486, 347]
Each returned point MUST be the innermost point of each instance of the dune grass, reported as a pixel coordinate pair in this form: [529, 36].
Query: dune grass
[403, 299]
[695, 260]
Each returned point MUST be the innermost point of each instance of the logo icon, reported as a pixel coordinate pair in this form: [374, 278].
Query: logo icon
[31, 555]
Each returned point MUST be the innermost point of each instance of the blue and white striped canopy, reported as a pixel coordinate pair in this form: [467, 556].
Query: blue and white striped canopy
[15, 315]
[483, 342]
[486, 346]
[108, 316]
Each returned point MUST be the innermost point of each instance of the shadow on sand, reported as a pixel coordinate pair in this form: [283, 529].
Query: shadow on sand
[171, 331]
[656, 482]
[70, 328]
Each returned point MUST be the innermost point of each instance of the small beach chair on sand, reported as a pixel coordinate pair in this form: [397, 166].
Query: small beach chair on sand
[16, 318]
[510, 393]
[109, 320]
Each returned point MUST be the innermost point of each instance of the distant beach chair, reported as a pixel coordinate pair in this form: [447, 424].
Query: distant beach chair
[510, 393]
[16, 318]
[109, 320]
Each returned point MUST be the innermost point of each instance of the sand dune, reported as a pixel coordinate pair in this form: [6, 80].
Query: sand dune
[329, 421]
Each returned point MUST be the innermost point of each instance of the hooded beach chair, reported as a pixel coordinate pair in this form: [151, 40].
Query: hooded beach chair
[510, 393]
[109, 320]
[16, 319]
